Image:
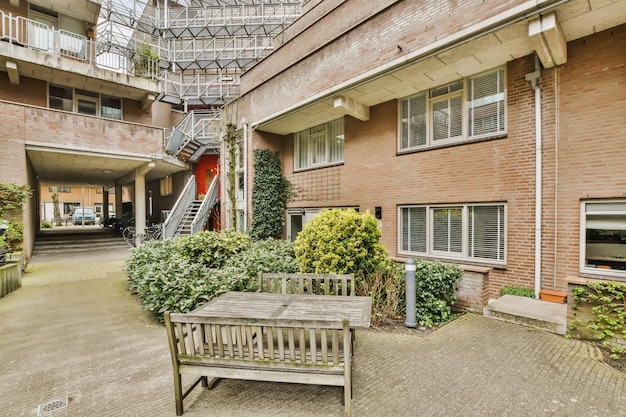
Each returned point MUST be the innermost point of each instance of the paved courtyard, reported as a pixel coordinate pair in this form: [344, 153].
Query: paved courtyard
[74, 331]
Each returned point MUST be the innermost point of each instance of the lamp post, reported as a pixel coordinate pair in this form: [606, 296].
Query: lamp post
[409, 268]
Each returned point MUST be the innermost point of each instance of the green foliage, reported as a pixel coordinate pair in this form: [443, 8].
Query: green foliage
[270, 194]
[230, 142]
[146, 60]
[46, 225]
[519, 291]
[172, 275]
[435, 285]
[341, 242]
[387, 288]
[211, 249]
[607, 324]
[265, 256]
[12, 199]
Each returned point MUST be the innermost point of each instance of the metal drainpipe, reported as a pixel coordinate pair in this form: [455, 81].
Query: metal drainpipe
[245, 174]
[533, 77]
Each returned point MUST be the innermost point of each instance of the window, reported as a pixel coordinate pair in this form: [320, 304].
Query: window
[465, 109]
[111, 108]
[603, 240]
[471, 232]
[319, 146]
[84, 102]
[166, 185]
[60, 189]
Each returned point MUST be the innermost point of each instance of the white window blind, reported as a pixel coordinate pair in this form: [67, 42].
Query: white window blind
[319, 146]
[459, 111]
[486, 103]
[472, 232]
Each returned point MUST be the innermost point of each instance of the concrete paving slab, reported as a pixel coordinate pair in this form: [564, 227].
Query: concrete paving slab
[527, 311]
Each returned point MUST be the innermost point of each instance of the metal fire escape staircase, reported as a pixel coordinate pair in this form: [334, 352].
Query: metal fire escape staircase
[203, 47]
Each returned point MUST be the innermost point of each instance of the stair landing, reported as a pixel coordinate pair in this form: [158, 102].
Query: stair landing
[530, 312]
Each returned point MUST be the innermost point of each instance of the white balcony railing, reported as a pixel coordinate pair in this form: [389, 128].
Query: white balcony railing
[22, 32]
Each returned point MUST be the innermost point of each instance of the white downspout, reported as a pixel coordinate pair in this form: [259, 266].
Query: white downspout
[533, 77]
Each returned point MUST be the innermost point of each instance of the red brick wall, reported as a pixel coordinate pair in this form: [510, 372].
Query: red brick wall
[592, 134]
[345, 48]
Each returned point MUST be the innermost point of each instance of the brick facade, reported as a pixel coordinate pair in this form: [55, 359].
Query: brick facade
[582, 126]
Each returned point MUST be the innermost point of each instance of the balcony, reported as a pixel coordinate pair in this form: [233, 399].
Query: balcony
[42, 52]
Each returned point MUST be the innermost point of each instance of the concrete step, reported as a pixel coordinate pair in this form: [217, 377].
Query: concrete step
[543, 315]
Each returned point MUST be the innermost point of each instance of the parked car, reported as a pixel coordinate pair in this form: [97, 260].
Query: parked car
[83, 215]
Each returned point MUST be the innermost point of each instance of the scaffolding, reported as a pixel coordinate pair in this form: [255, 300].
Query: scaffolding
[200, 46]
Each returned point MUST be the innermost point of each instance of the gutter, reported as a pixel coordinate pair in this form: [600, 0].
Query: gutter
[533, 77]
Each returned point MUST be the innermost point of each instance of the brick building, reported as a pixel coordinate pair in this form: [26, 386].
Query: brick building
[487, 134]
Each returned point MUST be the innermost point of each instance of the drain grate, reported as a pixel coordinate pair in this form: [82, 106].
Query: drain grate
[52, 405]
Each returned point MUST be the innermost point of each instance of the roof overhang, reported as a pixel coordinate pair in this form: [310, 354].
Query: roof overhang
[521, 31]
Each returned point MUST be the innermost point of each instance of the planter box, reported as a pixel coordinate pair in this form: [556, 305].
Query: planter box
[553, 296]
[10, 278]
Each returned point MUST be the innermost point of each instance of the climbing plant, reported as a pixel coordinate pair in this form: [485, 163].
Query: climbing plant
[270, 193]
[606, 324]
[12, 200]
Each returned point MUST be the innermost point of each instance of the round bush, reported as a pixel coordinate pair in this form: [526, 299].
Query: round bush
[341, 242]
[211, 249]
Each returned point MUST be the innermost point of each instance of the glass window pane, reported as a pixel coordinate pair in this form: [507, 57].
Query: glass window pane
[486, 103]
[605, 235]
[86, 106]
[486, 232]
[448, 230]
[447, 118]
[111, 108]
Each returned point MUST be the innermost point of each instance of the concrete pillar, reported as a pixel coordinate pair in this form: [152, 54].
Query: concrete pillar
[140, 203]
[118, 201]
[105, 203]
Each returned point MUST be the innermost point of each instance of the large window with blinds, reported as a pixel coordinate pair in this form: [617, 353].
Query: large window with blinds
[468, 231]
[319, 146]
[466, 109]
[603, 239]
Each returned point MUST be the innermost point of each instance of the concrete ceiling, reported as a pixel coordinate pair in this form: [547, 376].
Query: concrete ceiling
[74, 167]
[85, 10]
[578, 18]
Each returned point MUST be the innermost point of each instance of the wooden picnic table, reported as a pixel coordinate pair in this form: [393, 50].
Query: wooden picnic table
[258, 305]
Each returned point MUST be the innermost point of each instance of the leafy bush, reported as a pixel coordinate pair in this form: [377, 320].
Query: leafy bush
[211, 249]
[265, 256]
[519, 291]
[169, 276]
[435, 285]
[46, 225]
[387, 288]
[13, 236]
[341, 242]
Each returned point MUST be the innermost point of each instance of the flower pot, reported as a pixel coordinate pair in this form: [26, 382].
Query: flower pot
[553, 296]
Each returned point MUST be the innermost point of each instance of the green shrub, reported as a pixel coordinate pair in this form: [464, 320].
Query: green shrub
[387, 288]
[265, 256]
[46, 225]
[168, 276]
[13, 237]
[435, 285]
[519, 291]
[341, 242]
[211, 249]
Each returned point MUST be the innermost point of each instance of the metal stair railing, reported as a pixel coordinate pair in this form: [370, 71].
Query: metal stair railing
[201, 88]
[202, 126]
[205, 208]
[186, 197]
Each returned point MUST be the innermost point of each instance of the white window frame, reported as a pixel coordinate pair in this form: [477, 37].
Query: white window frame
[618, 209]
[305, 140]
[466, 108]
[464, 255]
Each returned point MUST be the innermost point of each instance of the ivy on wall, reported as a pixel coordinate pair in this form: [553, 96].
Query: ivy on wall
[270, 194]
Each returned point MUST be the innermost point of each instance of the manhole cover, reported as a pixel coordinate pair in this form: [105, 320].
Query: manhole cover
[52, 405]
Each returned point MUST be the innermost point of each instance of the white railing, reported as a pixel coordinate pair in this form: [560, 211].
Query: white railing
[247, 18]
[185, 198]
[232, 52]
[216, 88]
[27, 33]
[207, 204]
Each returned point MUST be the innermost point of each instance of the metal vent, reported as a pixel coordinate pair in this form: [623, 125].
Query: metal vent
[52, 405]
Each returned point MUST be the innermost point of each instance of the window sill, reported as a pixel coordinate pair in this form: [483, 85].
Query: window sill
[297, 171]
[584, 277]
[466, 265]
[450, 144]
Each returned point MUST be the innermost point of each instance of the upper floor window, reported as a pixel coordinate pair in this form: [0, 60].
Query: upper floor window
[603, 240]
[319, 146]
[165, 185]
[469, 231]
[466, 109]
[84, 102]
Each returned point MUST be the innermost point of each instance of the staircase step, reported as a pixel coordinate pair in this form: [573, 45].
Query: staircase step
[530, 312]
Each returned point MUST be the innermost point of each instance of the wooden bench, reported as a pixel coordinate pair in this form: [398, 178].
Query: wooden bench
[314, 284]
[296, 351]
